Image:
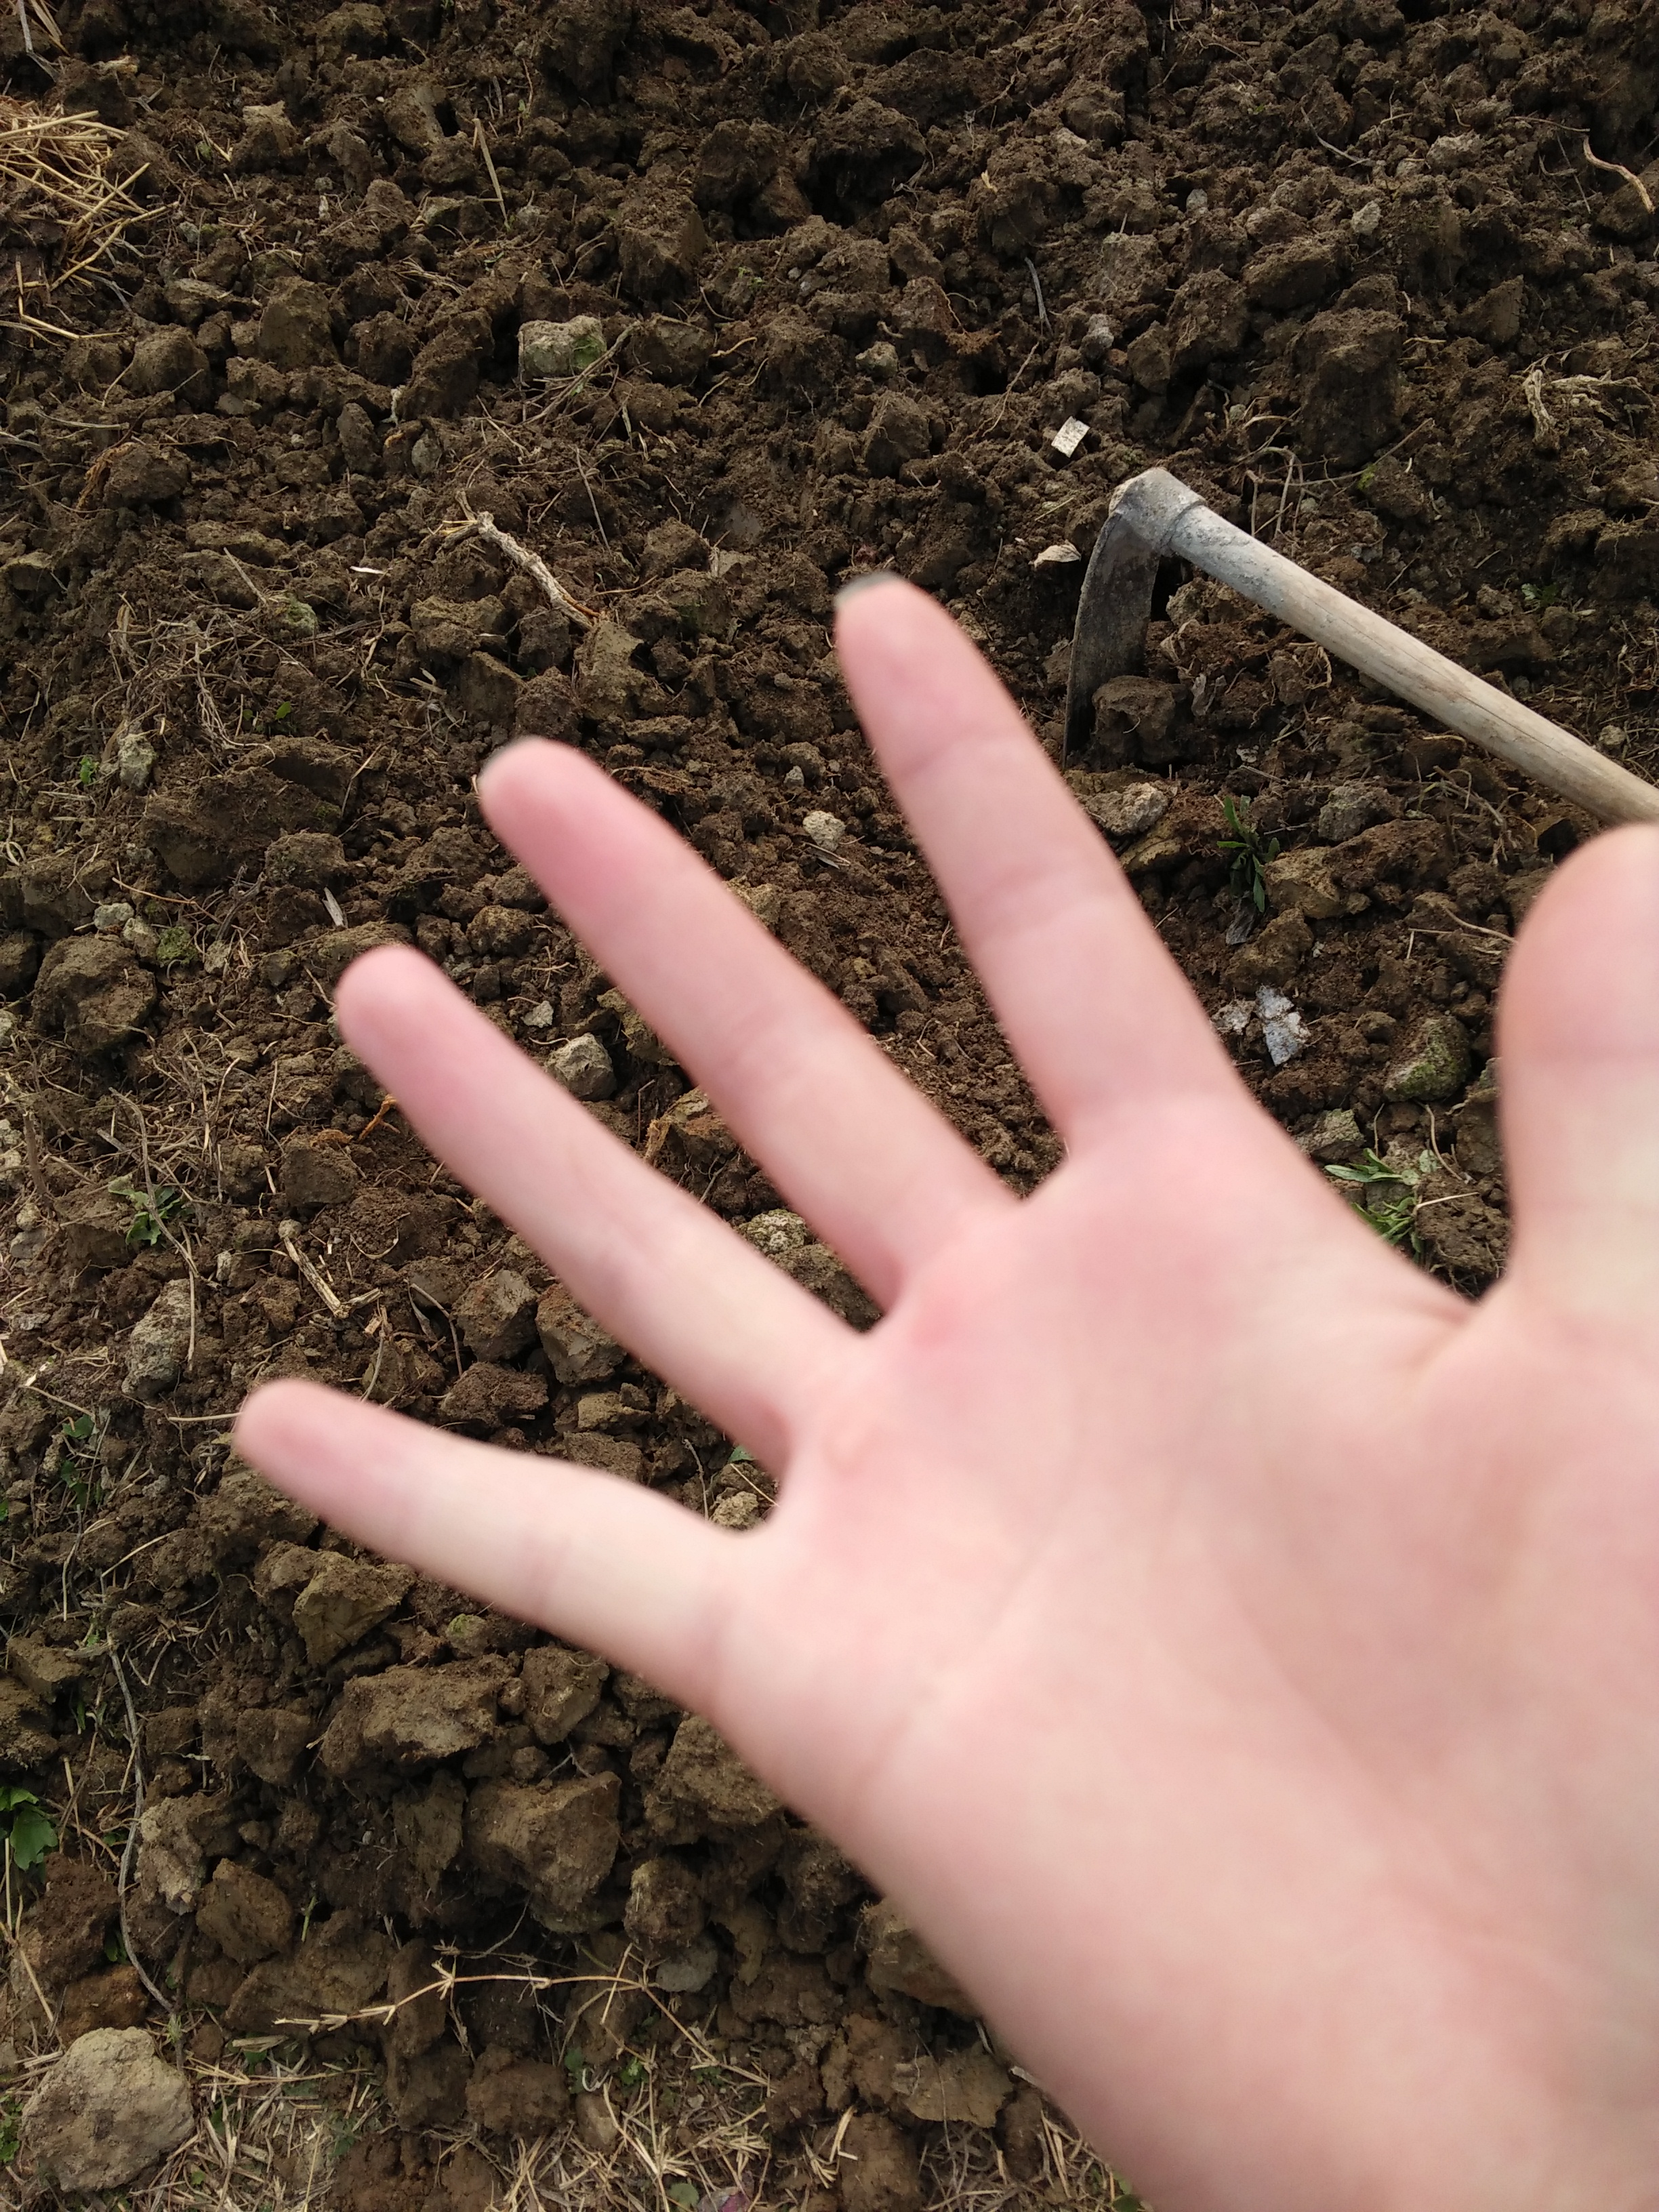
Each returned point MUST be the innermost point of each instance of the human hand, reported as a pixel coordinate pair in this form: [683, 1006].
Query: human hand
[1239, 1656]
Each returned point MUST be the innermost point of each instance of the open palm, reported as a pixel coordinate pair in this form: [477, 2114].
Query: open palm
[1239, 1656]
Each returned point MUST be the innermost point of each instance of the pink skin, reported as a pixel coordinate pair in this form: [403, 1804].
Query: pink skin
[1239, 1656]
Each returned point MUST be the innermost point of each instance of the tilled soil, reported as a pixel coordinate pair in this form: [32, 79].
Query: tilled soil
[711, 307]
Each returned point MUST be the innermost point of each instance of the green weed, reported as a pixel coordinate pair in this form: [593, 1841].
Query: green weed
[175, 945]
[87, 773]
[1249, 852]
[25, 1832]
[1388, 1196]
[150, 1220]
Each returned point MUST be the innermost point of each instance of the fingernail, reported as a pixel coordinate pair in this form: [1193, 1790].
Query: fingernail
[858, 584]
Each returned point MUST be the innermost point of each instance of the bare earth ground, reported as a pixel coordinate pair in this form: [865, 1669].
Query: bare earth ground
[434, 1912]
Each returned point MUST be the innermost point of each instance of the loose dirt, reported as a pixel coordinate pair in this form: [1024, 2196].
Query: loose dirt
[708, 308]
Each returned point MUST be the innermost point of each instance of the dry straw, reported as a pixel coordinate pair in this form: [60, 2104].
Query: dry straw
[63, 170]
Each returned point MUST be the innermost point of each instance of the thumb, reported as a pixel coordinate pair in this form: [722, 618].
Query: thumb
[1578, 1038]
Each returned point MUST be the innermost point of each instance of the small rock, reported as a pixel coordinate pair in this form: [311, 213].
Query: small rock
[686, 1972]
[664, 1910]
[411, 117]
[270, 1739]
[168, 361]
[1283, 1029]
[135, 760]
[269, 140]
[550, 349]
[497, 1316]
[669, 352]
[1303, 882]
[1134, 720]
[145, 474]
[1273, 955]
[115, 1997]
[583, 1065]
[1129, 812]
[171, 1866]
[827, 831]
[556, 1842]
[878, 2170]
[578, 1350]
[316, 1174]
[344, 1600]
[561, 1689]
[158, 1345]
[966, 2086]
[513, 2096]
[295, 329]
[704, 1777]
[899, 432]
[1335, 1138]
[93, 992]
[1435, 1065]
[1209, 320]
[1350, 361]
[358, 28]
[1148, 359]
[1351, 808]
[245, 1914]
[489, 1396]
[308, 858]
[897, 1959]
[109, 2109]
[409, 1717]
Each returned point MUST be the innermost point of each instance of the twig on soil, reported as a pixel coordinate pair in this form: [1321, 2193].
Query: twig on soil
[286, 1233]
[125, 1876]
[1036, 287]
[482, 145]
[484, 525]
[1618, 169]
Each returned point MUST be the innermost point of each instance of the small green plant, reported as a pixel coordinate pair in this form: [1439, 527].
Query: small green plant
[1368, 476]
[150, 1218]
[1537, 597]
[1388, 1196]
[26, 1832]
[11, 2129]
[1248, 853]
[576, 2067]
[631, 2072]
[685, 2193]
[87, 773]
[76, 1462]
[175, 945]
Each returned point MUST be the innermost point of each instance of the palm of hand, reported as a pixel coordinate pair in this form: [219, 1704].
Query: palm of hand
[1238, 1654]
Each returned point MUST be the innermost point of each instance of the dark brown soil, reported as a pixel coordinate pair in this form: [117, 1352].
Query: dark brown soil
[1378, 279]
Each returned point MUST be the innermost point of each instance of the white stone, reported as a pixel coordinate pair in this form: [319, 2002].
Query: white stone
[550, 349]
[110, 2108]
[583, 1065]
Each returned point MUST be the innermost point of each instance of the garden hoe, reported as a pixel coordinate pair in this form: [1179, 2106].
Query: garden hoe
[1154, 517]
